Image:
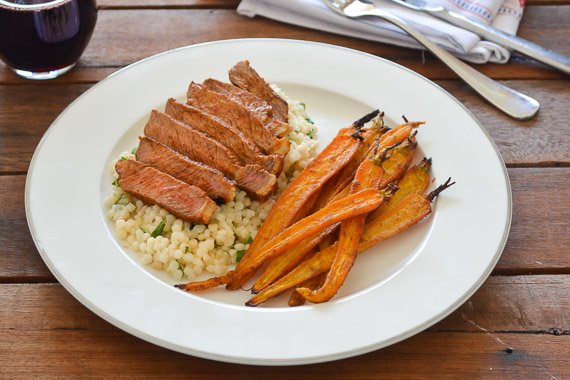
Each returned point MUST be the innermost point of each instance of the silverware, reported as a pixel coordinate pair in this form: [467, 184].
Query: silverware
[530, 49]
[511, 102]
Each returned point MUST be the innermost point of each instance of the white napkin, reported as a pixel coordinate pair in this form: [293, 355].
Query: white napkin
[502, 14]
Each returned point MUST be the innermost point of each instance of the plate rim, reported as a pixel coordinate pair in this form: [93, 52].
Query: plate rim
[245, 359]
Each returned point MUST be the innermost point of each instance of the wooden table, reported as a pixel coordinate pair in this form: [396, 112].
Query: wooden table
[517, 325]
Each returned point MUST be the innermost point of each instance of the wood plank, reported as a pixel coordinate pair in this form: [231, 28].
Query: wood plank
[154, 31]
[541, 141]
[43, 330]
[504, 304]
[197, 4]
[540, 221]
[538, 141]
[27, 112]
[19, 259]
[537, 242]
[108, 354]
[537, 304]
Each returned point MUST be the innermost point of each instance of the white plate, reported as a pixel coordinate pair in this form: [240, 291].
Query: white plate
[396, 290]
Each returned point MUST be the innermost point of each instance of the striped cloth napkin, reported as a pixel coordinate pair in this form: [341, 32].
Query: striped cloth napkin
[502, 14]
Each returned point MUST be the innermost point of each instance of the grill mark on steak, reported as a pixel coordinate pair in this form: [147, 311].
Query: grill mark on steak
[253, 103]
[257, 182]
[231, 137]
[246, 78]
[238, 117]
[155, 187]
[152, 153]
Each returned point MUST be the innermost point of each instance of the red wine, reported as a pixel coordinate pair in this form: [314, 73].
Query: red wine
[47, 37]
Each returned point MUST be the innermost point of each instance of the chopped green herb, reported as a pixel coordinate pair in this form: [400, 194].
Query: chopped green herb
[309, 120]
[303, 105]
[158, 230]
[180, 266]
[123, 158]
[115, 183]
[311, 133]
[118, 199]
[239, 255]
[134, 150]
[142, 229]
[186, 250]
[248, 239]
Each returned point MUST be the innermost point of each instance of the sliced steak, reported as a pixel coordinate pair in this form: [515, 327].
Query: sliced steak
[238, 117]
[155, 187]
[246, 78]
[252, 102]
[161, 157]
[245, 150]
[199, 147]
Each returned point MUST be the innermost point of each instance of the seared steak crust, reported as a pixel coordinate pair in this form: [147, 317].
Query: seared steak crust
[246, 78]
[161, 157]
[238, 117]
[232, 138]
[199, 147]
[155, 187]
[252, 102]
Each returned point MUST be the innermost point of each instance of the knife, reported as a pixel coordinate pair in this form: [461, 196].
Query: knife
[530, 49]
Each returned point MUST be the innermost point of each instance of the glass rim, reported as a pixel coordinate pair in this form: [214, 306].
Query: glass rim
[47, 4]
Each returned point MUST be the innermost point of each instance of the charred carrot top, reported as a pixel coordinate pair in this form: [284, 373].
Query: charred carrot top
[332, 159]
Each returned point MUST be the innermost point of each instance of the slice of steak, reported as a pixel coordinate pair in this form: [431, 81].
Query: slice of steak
[237, 117]
[257, 182]
[161, 157]
[246, 78]
[155, 187]
[245, 150]
[252, 102]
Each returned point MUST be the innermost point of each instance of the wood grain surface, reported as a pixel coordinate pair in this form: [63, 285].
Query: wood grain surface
[173, 28]
[517, 325]
[506, 329]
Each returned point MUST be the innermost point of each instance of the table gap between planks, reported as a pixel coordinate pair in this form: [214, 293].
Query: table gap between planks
[516, 326]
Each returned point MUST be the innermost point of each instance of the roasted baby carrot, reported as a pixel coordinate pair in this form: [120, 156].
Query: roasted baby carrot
[376, 140]
[289, 259]
[409, 211]
[399, 161]
[396, 158]
[295, 299]
[361, 202]
[368, 176]
[332, 159]
[415, 181]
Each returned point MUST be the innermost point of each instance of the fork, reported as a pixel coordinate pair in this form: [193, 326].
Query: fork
[511, 102]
